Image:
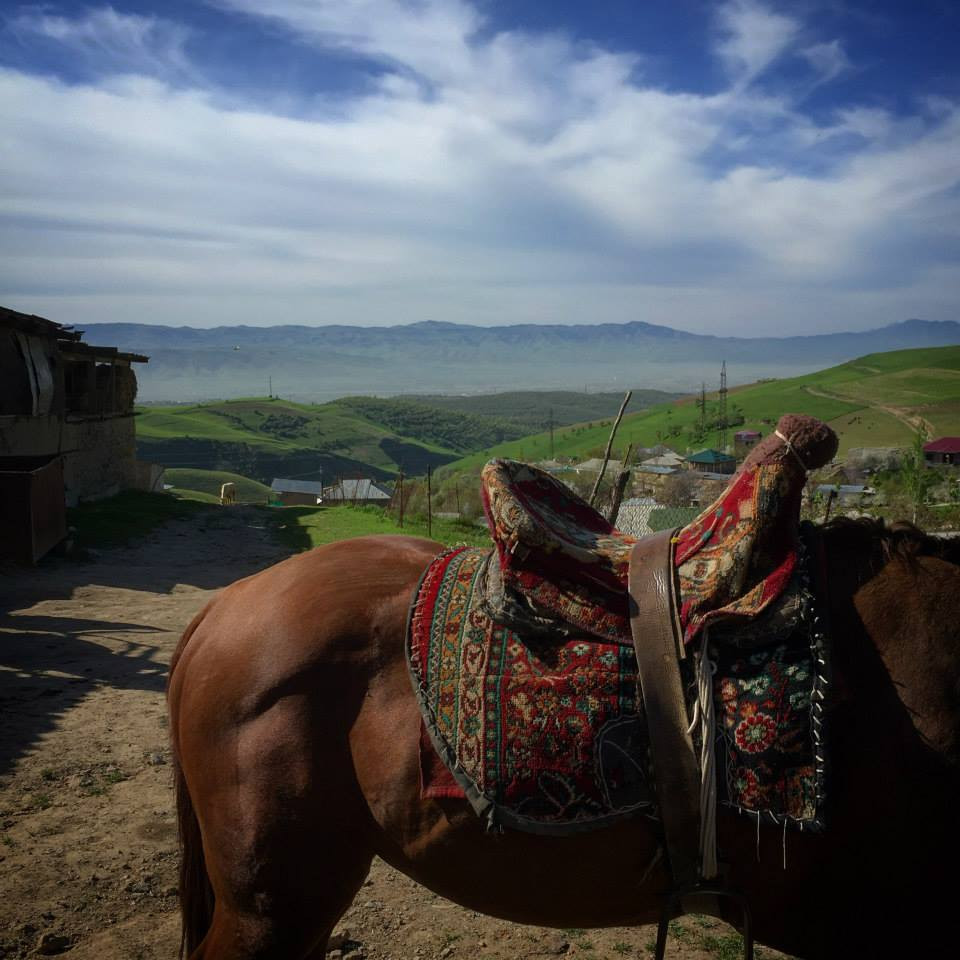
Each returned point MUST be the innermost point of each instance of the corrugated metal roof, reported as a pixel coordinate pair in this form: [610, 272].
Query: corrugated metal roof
[362, 489]
[943, 445]
[710, 456]
[297, 486]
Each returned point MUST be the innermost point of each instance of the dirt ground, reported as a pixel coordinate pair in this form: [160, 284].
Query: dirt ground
[88, 847]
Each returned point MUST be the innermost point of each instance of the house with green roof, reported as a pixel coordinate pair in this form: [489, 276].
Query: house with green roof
[712, 461]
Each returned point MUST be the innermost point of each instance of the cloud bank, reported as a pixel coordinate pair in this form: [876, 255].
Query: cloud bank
[475, 175]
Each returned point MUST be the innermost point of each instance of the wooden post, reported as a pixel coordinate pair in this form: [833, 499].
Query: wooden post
[429, 503]
[400, 486]
[619, 486]
[456, 490]
[606, 455]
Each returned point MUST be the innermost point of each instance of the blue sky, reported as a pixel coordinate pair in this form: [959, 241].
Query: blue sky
[738, 167]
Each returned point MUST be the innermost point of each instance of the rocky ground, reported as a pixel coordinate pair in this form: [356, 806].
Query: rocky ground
[88, 847]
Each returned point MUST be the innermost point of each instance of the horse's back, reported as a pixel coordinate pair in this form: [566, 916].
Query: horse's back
[331, 603]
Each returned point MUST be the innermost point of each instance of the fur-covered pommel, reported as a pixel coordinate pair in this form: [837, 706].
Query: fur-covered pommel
[813, 441]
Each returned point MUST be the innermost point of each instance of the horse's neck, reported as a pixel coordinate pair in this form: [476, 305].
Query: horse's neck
[896, 641]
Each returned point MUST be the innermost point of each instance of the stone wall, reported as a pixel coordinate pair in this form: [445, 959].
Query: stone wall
[99, 457]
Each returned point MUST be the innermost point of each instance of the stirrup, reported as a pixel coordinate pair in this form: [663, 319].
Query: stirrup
[674, 908]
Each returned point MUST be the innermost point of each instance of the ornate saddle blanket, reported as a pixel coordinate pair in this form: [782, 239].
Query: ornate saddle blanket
[547, 734]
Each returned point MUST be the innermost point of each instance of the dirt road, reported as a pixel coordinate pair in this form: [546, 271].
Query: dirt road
[87, 833]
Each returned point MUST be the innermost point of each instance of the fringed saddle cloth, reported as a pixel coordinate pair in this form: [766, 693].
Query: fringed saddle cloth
[524, 666]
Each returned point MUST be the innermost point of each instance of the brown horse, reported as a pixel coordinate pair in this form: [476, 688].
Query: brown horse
[296, 735]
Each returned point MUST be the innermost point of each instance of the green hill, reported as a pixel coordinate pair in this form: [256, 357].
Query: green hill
[266, 438]
[209, 482]
[534, 409]
[876, 400]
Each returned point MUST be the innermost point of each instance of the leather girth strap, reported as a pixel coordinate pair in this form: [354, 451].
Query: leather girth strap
[655, 626]
[676, 769]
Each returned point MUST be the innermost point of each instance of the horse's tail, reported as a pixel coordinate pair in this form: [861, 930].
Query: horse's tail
[196, 894]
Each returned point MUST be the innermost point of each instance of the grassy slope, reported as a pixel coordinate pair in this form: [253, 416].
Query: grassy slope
[534, 408]
[133, 514]
[280, 426]
[210, 481]
[306, 527]
[924, 382]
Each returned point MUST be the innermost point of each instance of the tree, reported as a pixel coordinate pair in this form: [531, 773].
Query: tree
[679, 489]
[918, 478]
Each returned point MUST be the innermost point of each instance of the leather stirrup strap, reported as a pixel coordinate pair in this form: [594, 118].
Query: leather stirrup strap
[676, 771]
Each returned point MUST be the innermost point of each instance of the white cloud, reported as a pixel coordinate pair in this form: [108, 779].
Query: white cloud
[828, 60]
[486, 177]
[112, 42]
[752, 37]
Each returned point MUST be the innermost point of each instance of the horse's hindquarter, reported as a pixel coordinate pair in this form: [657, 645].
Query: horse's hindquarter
[298, 733]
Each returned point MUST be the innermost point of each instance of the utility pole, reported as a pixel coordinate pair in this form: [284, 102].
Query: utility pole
[429, 499]
[722, 425]
[551, 433]
[270, 387]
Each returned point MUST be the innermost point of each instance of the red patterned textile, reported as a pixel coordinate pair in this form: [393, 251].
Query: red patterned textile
[562, 562]
[541, 735]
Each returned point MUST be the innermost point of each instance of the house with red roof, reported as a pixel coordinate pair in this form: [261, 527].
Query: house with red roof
[945, 450]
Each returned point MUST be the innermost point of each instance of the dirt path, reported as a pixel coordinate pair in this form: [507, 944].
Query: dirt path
[913, 421]
[87, 832]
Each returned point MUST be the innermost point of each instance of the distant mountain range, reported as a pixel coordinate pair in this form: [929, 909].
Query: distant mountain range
[321, 363]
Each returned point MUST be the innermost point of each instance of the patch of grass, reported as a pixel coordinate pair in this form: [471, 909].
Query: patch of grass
[307, 527]
[210, 481]
[621, 947]
[7, 840]
[114, 776]
[127, 516]
[727, 946]
[48, 774]
[41, 801]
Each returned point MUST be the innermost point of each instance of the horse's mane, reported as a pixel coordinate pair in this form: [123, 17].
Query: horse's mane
[897, 540]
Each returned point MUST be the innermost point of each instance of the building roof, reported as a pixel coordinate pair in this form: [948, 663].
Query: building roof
[38, 326]
[67, 338]
[654, 468]
[710, 456]
[844, 489]
[362, 489]
[668, 459]
[943, 445]
[743, 434]
[595, 463]
[297, 486]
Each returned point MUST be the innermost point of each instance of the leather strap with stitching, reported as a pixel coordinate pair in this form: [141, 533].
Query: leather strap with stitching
[676, 771]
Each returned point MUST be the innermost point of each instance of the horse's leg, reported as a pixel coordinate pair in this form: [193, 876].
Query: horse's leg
[286, 836]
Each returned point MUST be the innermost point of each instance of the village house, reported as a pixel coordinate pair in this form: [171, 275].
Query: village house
[358, 491]
[292, 493]
[744, 441]
[944, 451]
[66, 429]
[712, 461]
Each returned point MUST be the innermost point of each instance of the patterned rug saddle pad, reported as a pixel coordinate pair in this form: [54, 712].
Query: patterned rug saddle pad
[563, 567]
[547, 734]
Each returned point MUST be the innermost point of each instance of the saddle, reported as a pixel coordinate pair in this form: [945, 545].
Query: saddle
[567, 568]
[564, 569]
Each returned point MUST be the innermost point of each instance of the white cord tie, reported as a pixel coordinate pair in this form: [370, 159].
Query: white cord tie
[789, 445]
